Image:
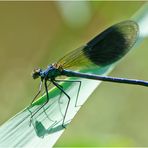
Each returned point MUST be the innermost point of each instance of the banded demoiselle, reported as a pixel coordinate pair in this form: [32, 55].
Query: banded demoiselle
[105, 49]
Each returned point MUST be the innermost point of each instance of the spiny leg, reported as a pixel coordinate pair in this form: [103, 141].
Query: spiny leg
[78, 89]
[51, 104]
[39, 91]
[46, 89]
[57, 85]
[60, 98]
[60, 94]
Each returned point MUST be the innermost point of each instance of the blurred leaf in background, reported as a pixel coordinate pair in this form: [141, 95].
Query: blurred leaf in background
[35, 34]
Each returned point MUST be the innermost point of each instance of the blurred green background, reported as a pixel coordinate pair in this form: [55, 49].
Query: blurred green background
[36, 34]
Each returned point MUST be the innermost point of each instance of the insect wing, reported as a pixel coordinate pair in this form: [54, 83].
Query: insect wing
[105, 49]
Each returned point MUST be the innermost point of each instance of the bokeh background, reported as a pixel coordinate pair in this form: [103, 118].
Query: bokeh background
[35, 34]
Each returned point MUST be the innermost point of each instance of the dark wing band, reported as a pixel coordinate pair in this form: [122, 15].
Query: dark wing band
[106, 48]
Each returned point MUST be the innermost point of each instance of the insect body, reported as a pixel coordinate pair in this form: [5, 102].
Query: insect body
[105, 49]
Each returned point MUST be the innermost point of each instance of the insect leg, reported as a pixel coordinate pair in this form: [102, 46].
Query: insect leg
[76, 103]
[60, 102]
[46, 89]
[57, 85]
[52, 103]
[39, 91]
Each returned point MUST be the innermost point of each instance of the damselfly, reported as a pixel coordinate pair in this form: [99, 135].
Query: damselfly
[105, 49]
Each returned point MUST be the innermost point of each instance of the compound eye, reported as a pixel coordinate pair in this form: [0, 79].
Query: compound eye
[36, 73]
